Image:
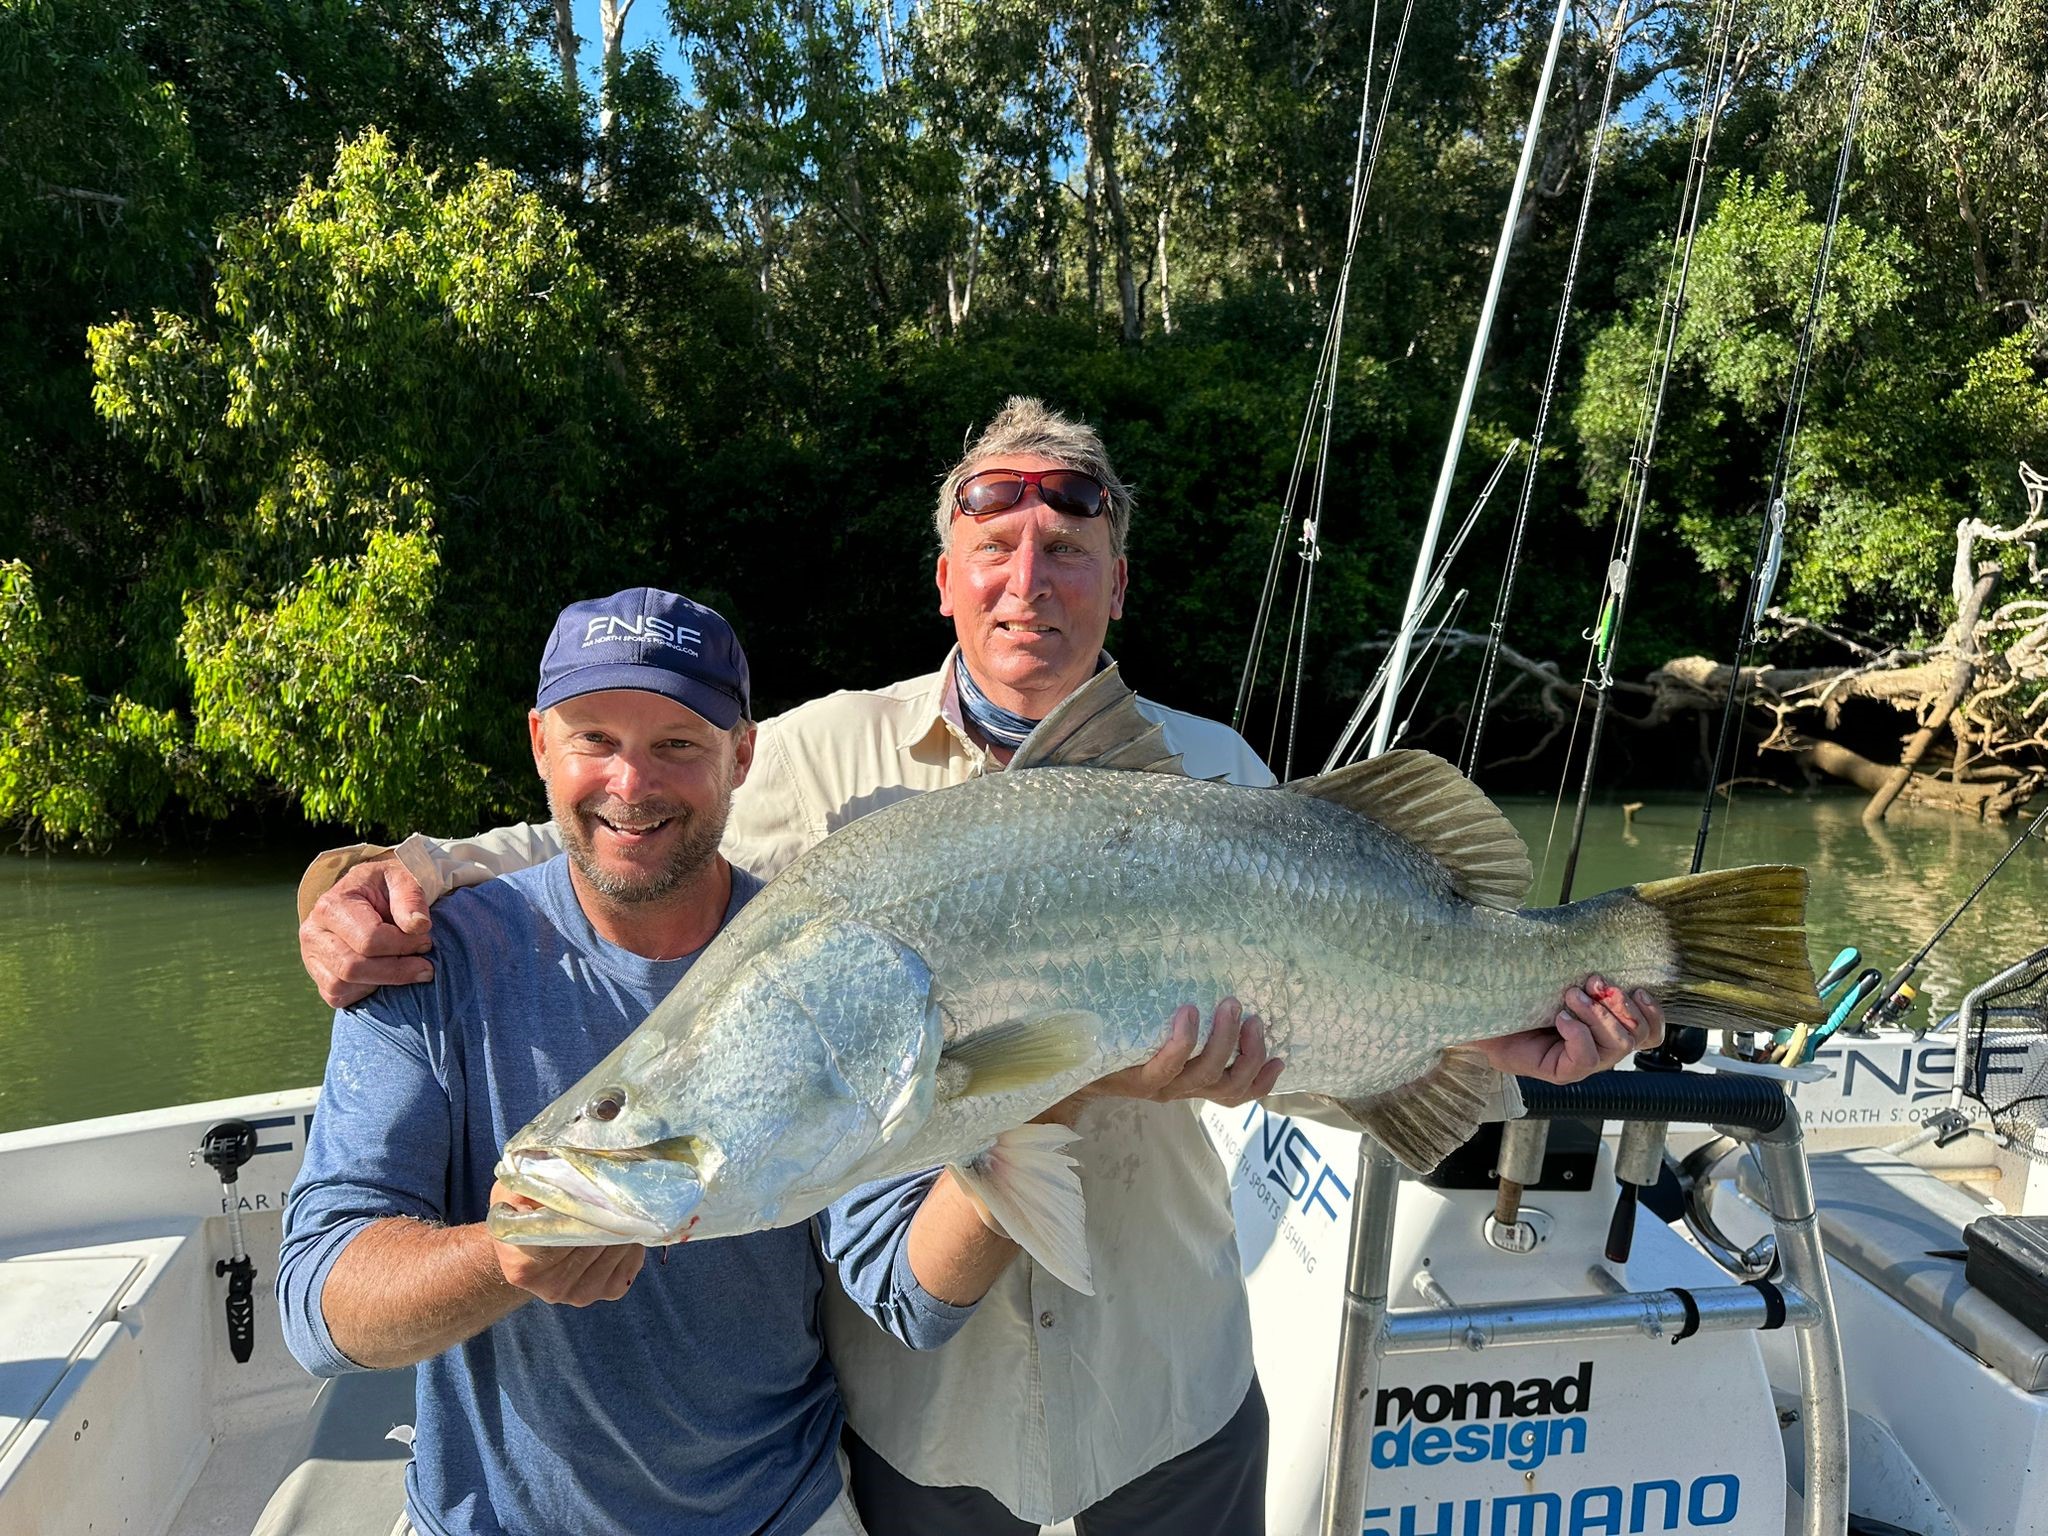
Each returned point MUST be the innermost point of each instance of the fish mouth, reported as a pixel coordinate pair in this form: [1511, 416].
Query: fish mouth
[644, 1194]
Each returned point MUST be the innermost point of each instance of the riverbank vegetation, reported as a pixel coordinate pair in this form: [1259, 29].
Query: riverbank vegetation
[340, 344]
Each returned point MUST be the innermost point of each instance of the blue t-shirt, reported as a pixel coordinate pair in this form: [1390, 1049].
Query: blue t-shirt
[701, 1403]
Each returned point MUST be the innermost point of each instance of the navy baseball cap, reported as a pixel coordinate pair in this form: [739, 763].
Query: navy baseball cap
[651, 640]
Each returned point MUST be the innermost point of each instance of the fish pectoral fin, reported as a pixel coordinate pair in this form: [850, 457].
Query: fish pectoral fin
[1030, 1191]
[1019, 1054]
[1423, 1122]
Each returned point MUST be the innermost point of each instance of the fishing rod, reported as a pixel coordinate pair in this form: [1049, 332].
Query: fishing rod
[1640, 1151]
[1789, 1047]
[1316, 427]
[1898, 991]
[1489, 662]
[1432, 650]
[1343, 1510]
[1606, 629]
[1418, 614]
[1425, 556]
[1770, 548]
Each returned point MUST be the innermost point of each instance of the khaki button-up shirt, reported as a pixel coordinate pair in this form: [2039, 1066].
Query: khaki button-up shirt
[1048, 1399]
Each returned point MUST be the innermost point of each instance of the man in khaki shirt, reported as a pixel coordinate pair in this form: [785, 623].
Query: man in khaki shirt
[1133, 1410]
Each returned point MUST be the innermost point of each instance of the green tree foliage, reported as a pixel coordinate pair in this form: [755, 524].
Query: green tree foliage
[318, 692]
[401, 371]
[341, 343]
[72, 765]
[1917, 415]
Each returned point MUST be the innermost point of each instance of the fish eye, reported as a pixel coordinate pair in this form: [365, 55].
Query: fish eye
[606, 1105]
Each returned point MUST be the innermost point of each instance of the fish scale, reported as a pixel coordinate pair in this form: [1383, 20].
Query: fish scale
[916, 988]
[1197, 904]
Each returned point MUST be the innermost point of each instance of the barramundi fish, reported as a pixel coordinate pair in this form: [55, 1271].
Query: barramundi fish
[913, 990]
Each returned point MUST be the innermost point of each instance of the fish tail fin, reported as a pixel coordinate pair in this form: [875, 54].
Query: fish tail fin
[1738, 946]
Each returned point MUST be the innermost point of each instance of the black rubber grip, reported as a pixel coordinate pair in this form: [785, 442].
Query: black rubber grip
[1774, 1303]
[1686, 1098]
[1692, 1314]
[1621, 1227]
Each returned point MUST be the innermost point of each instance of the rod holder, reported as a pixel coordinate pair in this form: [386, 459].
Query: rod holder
[1523, 1143]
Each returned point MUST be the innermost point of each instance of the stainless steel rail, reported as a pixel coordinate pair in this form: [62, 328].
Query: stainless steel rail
[1372, 1331]
[1653, 1314]
[1781, 1154]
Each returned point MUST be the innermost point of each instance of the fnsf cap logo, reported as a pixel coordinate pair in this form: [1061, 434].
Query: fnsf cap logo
[647, 627]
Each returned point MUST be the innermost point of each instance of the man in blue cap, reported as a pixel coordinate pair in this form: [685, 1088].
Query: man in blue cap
[698, 1402]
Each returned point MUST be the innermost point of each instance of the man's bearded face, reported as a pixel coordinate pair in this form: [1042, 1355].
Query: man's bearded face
[640, 788]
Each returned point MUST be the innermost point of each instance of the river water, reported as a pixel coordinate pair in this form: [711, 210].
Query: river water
[127, 984]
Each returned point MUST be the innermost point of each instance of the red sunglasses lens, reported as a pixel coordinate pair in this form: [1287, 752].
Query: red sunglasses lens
[1071, 492]
[1064, 490]
[996, 491]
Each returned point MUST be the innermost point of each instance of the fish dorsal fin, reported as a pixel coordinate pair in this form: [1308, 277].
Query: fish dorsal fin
[1420, 797]
[1098, 725]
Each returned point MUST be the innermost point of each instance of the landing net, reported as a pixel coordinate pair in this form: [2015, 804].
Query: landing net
[2005, 1076]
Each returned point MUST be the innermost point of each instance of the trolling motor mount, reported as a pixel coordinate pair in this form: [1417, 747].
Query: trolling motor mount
[225, 1148]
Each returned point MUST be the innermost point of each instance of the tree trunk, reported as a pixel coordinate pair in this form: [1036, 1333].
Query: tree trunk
[565, 48]
[1966, 209]
[1963, 673]
[611, 26]
[1126, 272]
[885, 44]
[855, 217]
[960, 296]
[1988, 800]
[572, 84]
[1091, 175]
[1102, 94]
[1159, 266]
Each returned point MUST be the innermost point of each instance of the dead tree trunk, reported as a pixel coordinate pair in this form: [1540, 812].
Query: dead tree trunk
[1963, 674]
[1988, 800]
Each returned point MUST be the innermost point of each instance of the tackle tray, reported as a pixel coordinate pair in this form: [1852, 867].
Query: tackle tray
[2008, 1261]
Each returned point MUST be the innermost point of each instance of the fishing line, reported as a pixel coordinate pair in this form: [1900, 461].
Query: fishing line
[1898, 994]
[1311, 536]
[1280, 684]
[1715, 89]
[1770, 548]
[1317, 420]
[1468, 754]
[1432, 649]
[1439, 501]
[1418, 614]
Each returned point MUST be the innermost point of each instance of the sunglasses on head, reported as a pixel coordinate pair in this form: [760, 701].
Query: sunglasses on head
[1069, 491]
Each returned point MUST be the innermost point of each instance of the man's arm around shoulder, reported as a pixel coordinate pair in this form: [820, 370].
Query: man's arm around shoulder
[363, 911]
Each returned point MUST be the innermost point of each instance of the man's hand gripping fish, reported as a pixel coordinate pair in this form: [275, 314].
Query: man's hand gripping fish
[911, 991]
